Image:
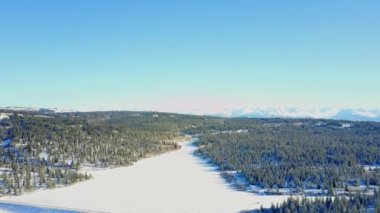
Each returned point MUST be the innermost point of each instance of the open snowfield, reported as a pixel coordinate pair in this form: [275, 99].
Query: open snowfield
[172, 182]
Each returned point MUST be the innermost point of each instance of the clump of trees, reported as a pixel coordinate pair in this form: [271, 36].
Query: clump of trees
[353, 204]
[48, 149]
[286, 153]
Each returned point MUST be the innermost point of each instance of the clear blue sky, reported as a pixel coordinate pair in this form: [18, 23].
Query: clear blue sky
[170, 55]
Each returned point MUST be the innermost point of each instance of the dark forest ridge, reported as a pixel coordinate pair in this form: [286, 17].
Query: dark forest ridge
[252, 112]
[45, 149]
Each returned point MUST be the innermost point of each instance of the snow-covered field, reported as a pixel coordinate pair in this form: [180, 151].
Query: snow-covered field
[172, 182]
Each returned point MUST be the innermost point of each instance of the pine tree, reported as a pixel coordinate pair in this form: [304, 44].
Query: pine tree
[346, 188]
[28, 185]
[377, 209]
[367, 185]
[331, 191]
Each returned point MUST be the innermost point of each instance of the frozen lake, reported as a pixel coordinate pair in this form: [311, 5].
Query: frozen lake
[12, 207]
[175, 182]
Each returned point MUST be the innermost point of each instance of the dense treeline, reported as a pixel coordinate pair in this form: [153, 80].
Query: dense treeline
[48, 149]
[353, 204]
[277, 153]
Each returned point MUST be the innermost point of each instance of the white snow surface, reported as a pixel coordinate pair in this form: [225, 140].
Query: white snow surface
[175, 182]
[44, 155]
[5, 115]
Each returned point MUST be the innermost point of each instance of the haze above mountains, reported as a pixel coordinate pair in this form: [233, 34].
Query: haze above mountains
[252, 112]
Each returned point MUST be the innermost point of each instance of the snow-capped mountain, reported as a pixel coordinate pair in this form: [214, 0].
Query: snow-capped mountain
[328, 113]
[31, 109]
[252, 112]
[19, 108]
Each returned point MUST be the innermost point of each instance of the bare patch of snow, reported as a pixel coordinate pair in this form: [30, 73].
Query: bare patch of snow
[43, 155]
[371, 167]
[5, 115]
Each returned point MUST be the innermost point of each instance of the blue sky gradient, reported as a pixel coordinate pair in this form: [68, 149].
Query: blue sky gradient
[189, 55]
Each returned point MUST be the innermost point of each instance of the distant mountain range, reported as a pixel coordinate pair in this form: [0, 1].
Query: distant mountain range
[251, 112]
[47, 110]
[327, 113]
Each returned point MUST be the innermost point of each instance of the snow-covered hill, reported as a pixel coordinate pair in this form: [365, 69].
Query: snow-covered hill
[30, 109]
[328, 113]
[253, 112]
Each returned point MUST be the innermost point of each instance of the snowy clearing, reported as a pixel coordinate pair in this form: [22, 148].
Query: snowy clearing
[172, 182]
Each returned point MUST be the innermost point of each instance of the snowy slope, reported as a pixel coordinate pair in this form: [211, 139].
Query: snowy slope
[328, 113]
